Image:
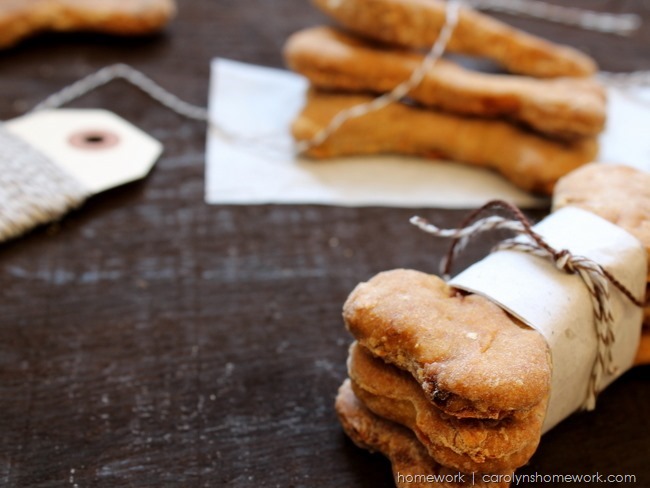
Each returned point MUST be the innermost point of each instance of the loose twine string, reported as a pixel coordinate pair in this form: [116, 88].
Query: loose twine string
[400, 91]
[174, 103]
[621, 24]
[596, 278]
[603, 22]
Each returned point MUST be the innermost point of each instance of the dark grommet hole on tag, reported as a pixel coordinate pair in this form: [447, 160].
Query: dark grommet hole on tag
[94, 139]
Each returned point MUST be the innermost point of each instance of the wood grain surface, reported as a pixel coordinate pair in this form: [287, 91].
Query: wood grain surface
[150, 340]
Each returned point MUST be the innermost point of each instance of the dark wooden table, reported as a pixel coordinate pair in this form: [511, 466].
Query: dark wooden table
[149, 339]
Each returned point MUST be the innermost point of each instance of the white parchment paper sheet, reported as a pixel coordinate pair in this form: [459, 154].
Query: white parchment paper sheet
[258, 166]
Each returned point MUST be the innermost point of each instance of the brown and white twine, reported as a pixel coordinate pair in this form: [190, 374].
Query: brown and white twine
[596, 279]
[452, 12]
[24, 212]
[609, 23]
[623, 24]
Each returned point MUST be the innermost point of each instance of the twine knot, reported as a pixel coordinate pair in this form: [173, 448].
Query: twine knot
[563, 261]
[596, 279]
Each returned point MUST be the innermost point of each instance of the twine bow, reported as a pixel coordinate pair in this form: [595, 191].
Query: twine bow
[596, 278]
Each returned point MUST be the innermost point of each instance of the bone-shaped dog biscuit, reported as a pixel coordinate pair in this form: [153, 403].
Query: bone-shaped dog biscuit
[530, 161]
[22, 18]
[471, 358]
[417, 23]
[469, 445]
[407, 456]
[333, 60]
[463, 352]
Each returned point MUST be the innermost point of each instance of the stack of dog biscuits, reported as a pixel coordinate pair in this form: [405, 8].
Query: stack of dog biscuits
[469, 382]
[533, 126]
[445, 382]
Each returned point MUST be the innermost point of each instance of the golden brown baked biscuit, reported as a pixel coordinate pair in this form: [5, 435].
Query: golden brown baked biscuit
[530, 161]
[23, 18]
[469, 445]
[407, 456]
[471, 358]
[416, 23]
[332, 60]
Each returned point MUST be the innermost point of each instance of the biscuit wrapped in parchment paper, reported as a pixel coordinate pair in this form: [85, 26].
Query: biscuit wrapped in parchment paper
[467, 380]
[621, 195]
